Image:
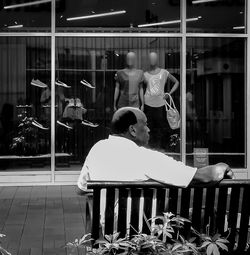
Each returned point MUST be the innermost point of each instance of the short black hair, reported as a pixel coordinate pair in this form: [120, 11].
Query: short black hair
[121, 123]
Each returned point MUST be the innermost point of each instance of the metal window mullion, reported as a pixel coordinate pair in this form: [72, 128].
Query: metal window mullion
[52, 135]
[183, 81]
[247, 88]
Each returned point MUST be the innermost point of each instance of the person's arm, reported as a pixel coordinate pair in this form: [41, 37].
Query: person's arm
[212, 174]
[141, 95]
[116, 95]
[175, 86]
[164, 169]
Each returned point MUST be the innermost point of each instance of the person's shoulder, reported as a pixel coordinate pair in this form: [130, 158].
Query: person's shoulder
[121, 71]
[165, 71]
[140, 71]
[98, 146]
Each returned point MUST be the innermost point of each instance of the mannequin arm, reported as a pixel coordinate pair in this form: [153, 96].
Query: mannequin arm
[141, 95]
[116, 95]
[176, 83]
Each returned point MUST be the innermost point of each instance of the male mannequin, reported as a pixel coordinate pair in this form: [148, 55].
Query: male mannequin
[156, 79]
[129, 85]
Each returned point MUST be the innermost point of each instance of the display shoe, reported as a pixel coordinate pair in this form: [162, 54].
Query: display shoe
[61, 84]
[38, 125]
[89, 124]
[38, 83]
[87, 84]
[63, 124]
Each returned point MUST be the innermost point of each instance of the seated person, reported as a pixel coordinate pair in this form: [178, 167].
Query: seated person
[123, 157]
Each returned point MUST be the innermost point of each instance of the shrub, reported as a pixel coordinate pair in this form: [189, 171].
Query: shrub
[165, 238]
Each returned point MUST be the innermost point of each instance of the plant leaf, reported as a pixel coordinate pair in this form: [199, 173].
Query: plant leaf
[222, 246]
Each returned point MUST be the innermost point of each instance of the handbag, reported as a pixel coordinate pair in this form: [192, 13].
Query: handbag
[173, 116]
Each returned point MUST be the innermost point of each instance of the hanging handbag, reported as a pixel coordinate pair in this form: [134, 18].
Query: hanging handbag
[173, 115]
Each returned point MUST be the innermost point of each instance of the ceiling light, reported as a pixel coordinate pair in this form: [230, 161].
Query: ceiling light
[168, 22]
[26, 4]
[15, 26]
[97, 15]
[239, 27]
[203, 1]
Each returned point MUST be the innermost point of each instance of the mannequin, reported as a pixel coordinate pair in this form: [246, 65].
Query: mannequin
[129, 85]
[154, 99]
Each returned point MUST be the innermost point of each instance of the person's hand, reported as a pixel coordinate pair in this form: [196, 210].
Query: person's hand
[115, 108]
[229, 174]
[166, 96]
[224, 172]
[142, 108]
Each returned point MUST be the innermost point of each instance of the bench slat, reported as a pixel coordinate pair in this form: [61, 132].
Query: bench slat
[96, 214]
[185, 203]
[109, 212]
[135, 207]
[209, 217]
[197, 206]
[160, 203]
[221, 210]
[233, 214]
[244, 222]
[173, 200]
[148, 200]
[122, 212]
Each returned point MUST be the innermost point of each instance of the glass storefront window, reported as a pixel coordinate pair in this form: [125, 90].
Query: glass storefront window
[216, 16]
[25, 16]
[216, 100]
[25, 71]
[92, 42]
[96, 61]
[119, 16]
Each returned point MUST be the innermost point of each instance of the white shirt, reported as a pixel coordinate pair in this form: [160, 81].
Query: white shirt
[120, 159]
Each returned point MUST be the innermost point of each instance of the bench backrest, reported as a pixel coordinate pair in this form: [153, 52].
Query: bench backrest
[226, 205]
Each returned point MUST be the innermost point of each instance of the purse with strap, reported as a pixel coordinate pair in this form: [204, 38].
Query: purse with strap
[173, 116]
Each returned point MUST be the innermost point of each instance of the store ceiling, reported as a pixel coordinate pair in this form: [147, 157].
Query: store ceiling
[222, 15]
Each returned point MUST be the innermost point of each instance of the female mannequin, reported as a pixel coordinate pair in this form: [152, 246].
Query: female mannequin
[129, 85]
[154, 100]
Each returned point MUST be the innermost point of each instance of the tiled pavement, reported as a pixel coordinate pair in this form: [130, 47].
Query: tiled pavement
[41, 220]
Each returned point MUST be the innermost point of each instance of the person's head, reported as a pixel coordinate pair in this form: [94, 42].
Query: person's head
[153, 59]
[131, 57]
[131, 123]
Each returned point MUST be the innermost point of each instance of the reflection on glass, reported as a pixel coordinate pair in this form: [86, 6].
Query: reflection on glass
[88, 67]
[217, 16]
[24, 125]
[123, 15]
[20, 16]
[215, 99]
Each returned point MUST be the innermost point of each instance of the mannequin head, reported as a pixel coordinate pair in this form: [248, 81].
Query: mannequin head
[131, 59]
[153, 59]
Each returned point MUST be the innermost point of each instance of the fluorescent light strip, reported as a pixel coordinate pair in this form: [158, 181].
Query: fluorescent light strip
[97, 15]
[15, 26]
[240, 27]
[168, 22]
[203, 1]
[26, 4]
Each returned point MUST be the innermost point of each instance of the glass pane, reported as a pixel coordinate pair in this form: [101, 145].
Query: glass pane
[216, 100]
[86, 62]
[119, 16]
[216, 16]
[24, 116]
[25, 16]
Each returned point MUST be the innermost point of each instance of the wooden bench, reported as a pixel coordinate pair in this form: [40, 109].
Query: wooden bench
[224, 205]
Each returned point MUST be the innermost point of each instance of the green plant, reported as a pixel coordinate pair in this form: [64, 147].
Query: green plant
[165, 238]
[2, 250]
